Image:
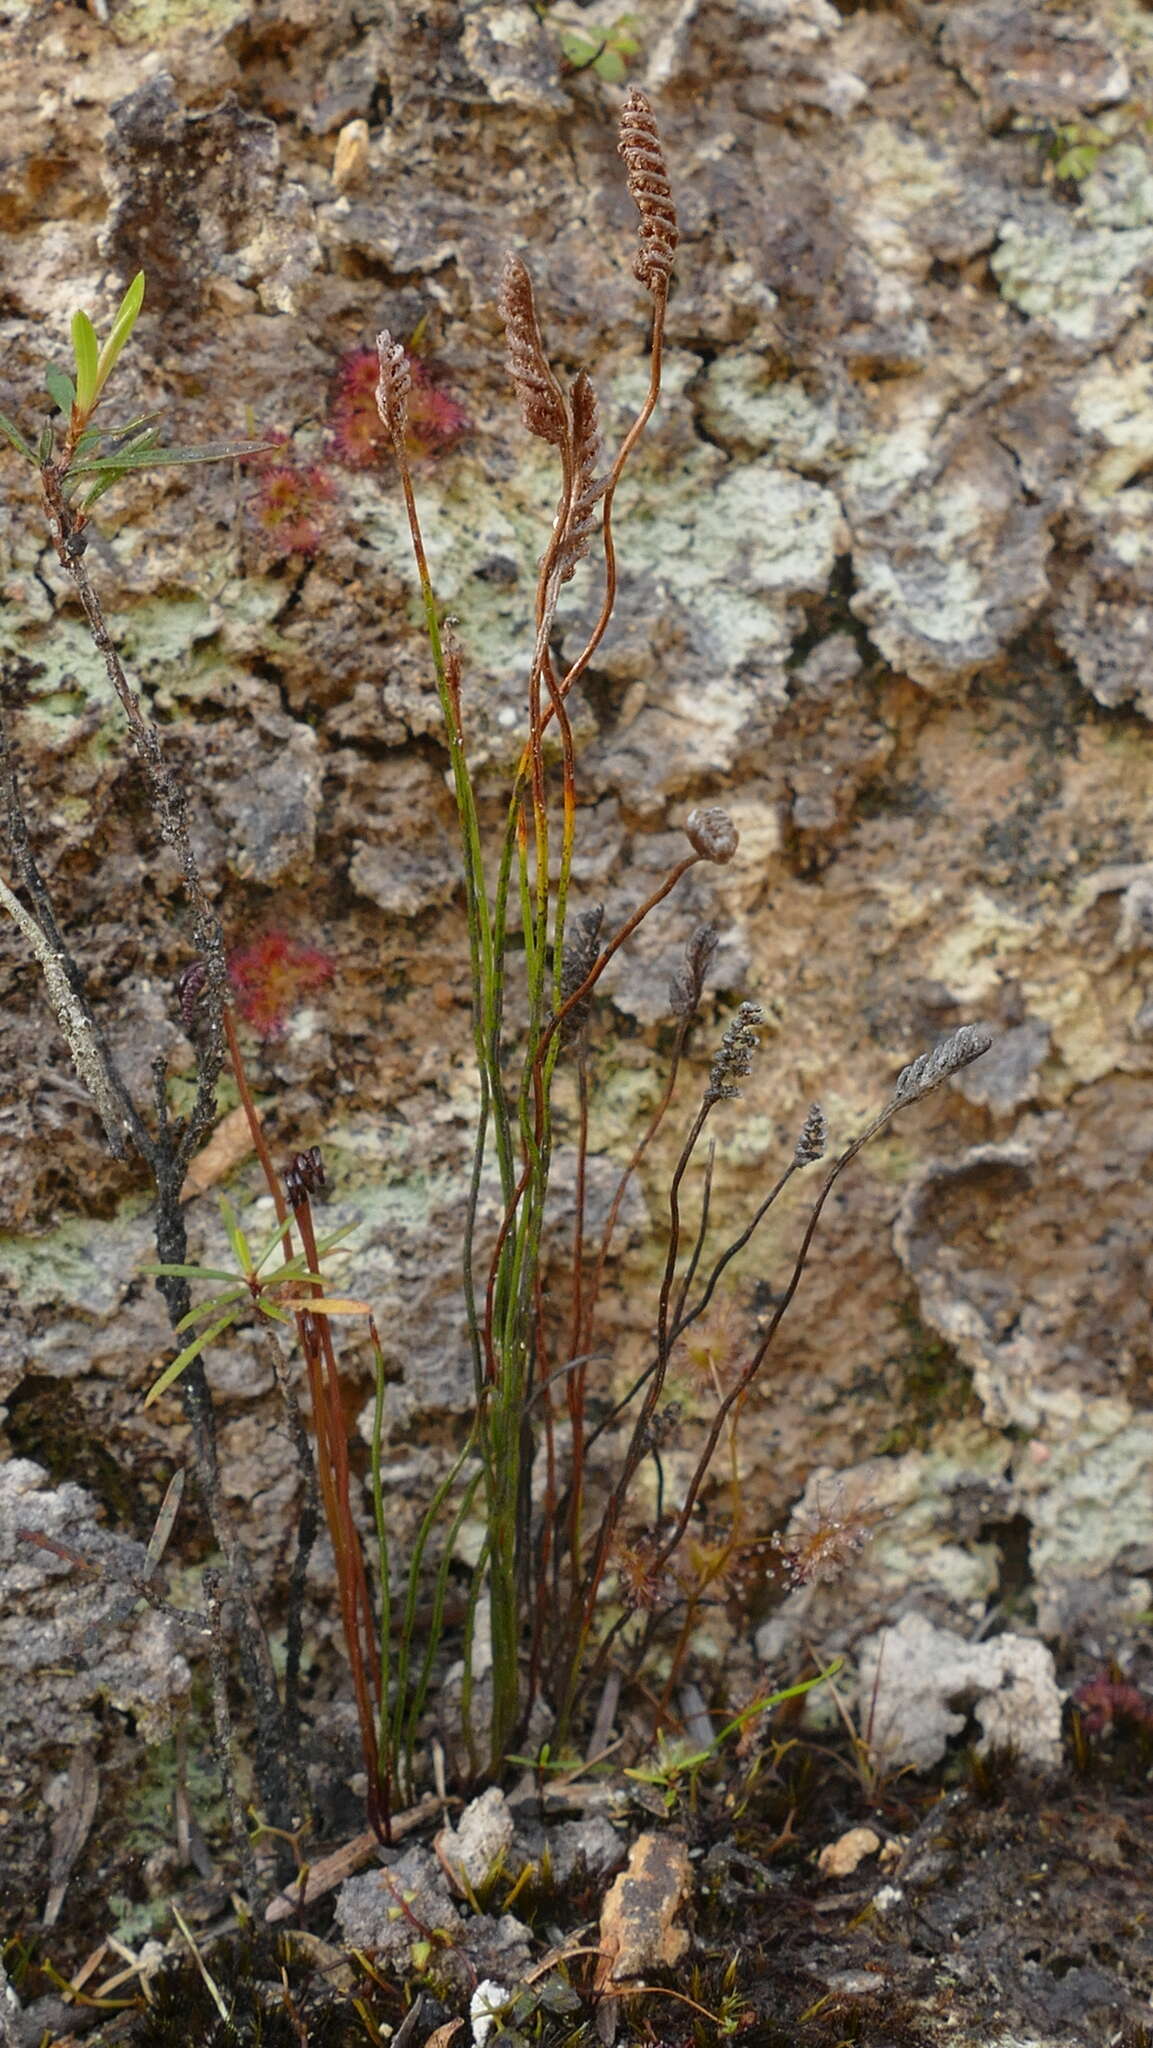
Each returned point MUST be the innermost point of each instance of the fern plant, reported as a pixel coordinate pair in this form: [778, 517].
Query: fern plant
[545, 1556]
[558, 1493]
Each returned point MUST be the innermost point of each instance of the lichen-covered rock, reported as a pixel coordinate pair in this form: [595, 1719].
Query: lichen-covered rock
[1021, 60]
[70, 1640]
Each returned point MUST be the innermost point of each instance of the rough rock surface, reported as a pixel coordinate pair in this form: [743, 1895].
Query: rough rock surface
[886, 592]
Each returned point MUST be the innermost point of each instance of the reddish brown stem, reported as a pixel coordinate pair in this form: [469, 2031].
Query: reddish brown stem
[356, 1609]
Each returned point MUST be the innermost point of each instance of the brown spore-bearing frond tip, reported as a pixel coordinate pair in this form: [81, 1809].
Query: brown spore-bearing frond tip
[589, 485]
[541, 402]
[190, 990]
[813, 1141]
[959, 1050]
[648, 181]
[686, 986]
[711, 832]
[304, 1175]
[734, 1057]
[393, 385]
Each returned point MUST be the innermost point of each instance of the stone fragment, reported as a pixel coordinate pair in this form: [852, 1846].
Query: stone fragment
[518, 59]
[386, 1910]
[475, 1847]
[922, 1683]
[69, 1638]
[350, 157]
[484, 2009]
[269, 803]
[638, 1931]
[842, 1857]
[408, 1901]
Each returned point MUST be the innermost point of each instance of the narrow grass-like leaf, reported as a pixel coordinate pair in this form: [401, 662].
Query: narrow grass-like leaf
[189, 1272]
[333, 1237]
[172, 1372]
[106, 483]
[294, 1269]
[86, 350]
[275, 1313]
[677, 1762]
[115, 436]
[268, 1244]
[209, 1308]
[11, 432]
[160, 458]
[236, 1237]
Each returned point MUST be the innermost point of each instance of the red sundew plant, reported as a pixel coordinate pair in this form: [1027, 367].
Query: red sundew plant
[1108, 1698]
[290, 507]
[272, 976]
[359, 441]
[822, 1543]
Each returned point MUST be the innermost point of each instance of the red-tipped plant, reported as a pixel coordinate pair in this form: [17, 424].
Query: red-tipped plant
[436, 420]
[272, 975]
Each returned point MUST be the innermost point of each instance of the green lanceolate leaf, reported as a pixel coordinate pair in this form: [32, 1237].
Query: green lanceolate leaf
[158, 458]
[232, 1296]
[86, 350]
[121, 434]
[11, 432]
[236, 1237]
[122, 327]
[172, 1372]
[60, 388]
[276, 1236]
[106, 483]
[190, 1272]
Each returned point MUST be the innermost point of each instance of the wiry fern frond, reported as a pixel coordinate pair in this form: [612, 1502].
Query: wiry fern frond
[541, 399]
[648, 181]
[589, 484]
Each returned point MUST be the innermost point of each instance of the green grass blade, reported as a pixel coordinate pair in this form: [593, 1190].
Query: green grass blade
[275, 1313]
[209, 1308]
[276, 1236]
[126, 459]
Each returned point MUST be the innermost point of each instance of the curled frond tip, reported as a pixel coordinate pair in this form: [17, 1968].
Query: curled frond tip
[648, 181]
